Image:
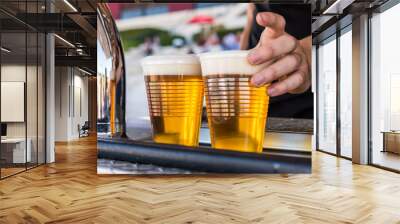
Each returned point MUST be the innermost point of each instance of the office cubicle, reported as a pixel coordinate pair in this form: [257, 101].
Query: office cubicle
[22, 78]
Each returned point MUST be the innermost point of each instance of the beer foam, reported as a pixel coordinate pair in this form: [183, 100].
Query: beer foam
[228, 62]
[171, 65]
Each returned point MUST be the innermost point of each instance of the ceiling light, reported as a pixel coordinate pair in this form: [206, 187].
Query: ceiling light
[5, 50]
[84, 71]
[337, 7]
[79, 51]
[70, 5]
[64, 40]
[333, 6]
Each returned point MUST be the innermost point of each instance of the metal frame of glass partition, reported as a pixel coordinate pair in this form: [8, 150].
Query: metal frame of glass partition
[382, 8]
[42, 53]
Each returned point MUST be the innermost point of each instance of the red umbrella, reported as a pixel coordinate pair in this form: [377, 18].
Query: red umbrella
[201, 19]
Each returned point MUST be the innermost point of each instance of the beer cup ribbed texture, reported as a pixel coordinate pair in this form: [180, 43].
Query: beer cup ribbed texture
[175, 96]
[236, 110]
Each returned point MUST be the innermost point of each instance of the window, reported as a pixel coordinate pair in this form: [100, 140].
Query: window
[327, 95]
[346, 92]
[385, 89]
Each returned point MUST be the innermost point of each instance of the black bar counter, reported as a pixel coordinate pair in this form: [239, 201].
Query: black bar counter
[204, 158]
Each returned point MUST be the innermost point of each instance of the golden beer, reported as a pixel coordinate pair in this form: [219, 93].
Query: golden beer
[236, 110]
[175, 97]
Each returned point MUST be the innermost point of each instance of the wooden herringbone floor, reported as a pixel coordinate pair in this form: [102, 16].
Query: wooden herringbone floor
[70, 191]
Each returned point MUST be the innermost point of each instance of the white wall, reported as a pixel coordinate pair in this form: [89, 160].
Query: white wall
[14, 73]
[80, 110]
[71, 103]
[62, 81]
[13, 101]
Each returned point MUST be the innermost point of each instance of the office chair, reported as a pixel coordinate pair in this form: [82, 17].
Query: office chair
[84, 130]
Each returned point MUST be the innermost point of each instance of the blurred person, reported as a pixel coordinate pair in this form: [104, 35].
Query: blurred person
[148, 46]
[281, 34]
[200, 46]
[213, 42]
[239, 37]
[178, 43]
[191, 50]
[230, 42]
[156, 44]
[212, 39]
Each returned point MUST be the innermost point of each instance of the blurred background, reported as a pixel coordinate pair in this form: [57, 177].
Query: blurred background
[181, 27]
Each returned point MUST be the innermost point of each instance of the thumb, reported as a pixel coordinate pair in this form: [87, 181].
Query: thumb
[273, 22]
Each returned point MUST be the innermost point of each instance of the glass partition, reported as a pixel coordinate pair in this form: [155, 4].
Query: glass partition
[385, 89]
[327, 95]
[22, 77]
[13, 95]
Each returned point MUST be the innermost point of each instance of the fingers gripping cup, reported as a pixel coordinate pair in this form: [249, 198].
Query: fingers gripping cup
[175, 97]
[236, 110]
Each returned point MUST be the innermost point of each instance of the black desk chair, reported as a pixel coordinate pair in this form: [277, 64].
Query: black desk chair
[84, 130]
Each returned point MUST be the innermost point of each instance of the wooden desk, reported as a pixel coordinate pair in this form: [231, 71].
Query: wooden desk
[391, 141]
[18, 149]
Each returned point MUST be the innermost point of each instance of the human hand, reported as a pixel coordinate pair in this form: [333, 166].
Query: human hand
[290, 58]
